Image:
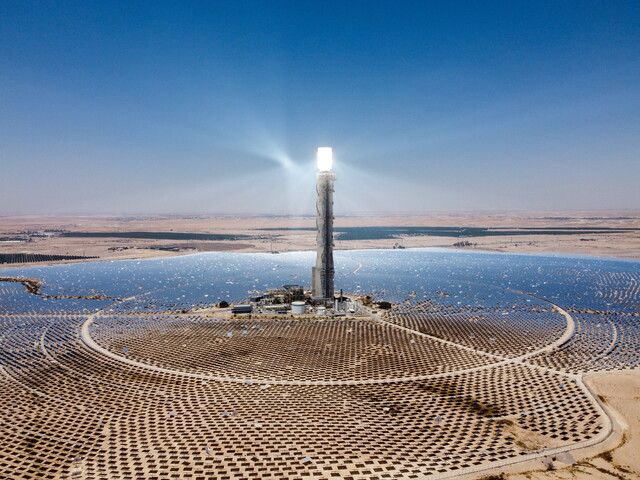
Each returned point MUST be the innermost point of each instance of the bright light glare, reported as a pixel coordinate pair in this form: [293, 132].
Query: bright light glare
[325, 159]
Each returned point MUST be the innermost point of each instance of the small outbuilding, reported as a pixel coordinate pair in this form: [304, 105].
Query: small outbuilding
[242, 308]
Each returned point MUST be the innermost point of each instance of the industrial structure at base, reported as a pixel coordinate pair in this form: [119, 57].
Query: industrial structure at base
[294, 300]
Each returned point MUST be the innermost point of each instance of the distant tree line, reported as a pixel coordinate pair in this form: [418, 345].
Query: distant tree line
[37, 257]
[464, 244]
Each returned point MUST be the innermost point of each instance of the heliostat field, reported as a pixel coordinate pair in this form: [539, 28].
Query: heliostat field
[480, 363]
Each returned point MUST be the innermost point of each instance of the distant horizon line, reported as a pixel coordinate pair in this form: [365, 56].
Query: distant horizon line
[453, 212]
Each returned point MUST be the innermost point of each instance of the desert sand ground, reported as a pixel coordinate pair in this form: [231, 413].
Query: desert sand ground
[625, 245]
[617, 458]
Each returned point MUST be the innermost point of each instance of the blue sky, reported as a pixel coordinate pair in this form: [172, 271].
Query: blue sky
[218, 107]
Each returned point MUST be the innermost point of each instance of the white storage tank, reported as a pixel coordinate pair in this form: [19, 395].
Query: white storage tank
[298, 307]
[322, 310]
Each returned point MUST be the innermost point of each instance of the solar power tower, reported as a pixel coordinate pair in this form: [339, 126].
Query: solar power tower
[322, 288]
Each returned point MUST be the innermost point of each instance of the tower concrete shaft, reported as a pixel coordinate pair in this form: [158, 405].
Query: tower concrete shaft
[322, 274]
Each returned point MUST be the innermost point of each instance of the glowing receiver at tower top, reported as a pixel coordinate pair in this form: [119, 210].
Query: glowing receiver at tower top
[325, 159]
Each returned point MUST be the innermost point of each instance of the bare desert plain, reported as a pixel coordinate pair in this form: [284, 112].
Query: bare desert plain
[598, 233]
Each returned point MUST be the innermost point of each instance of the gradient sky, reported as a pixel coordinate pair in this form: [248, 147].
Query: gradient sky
[218, 107]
